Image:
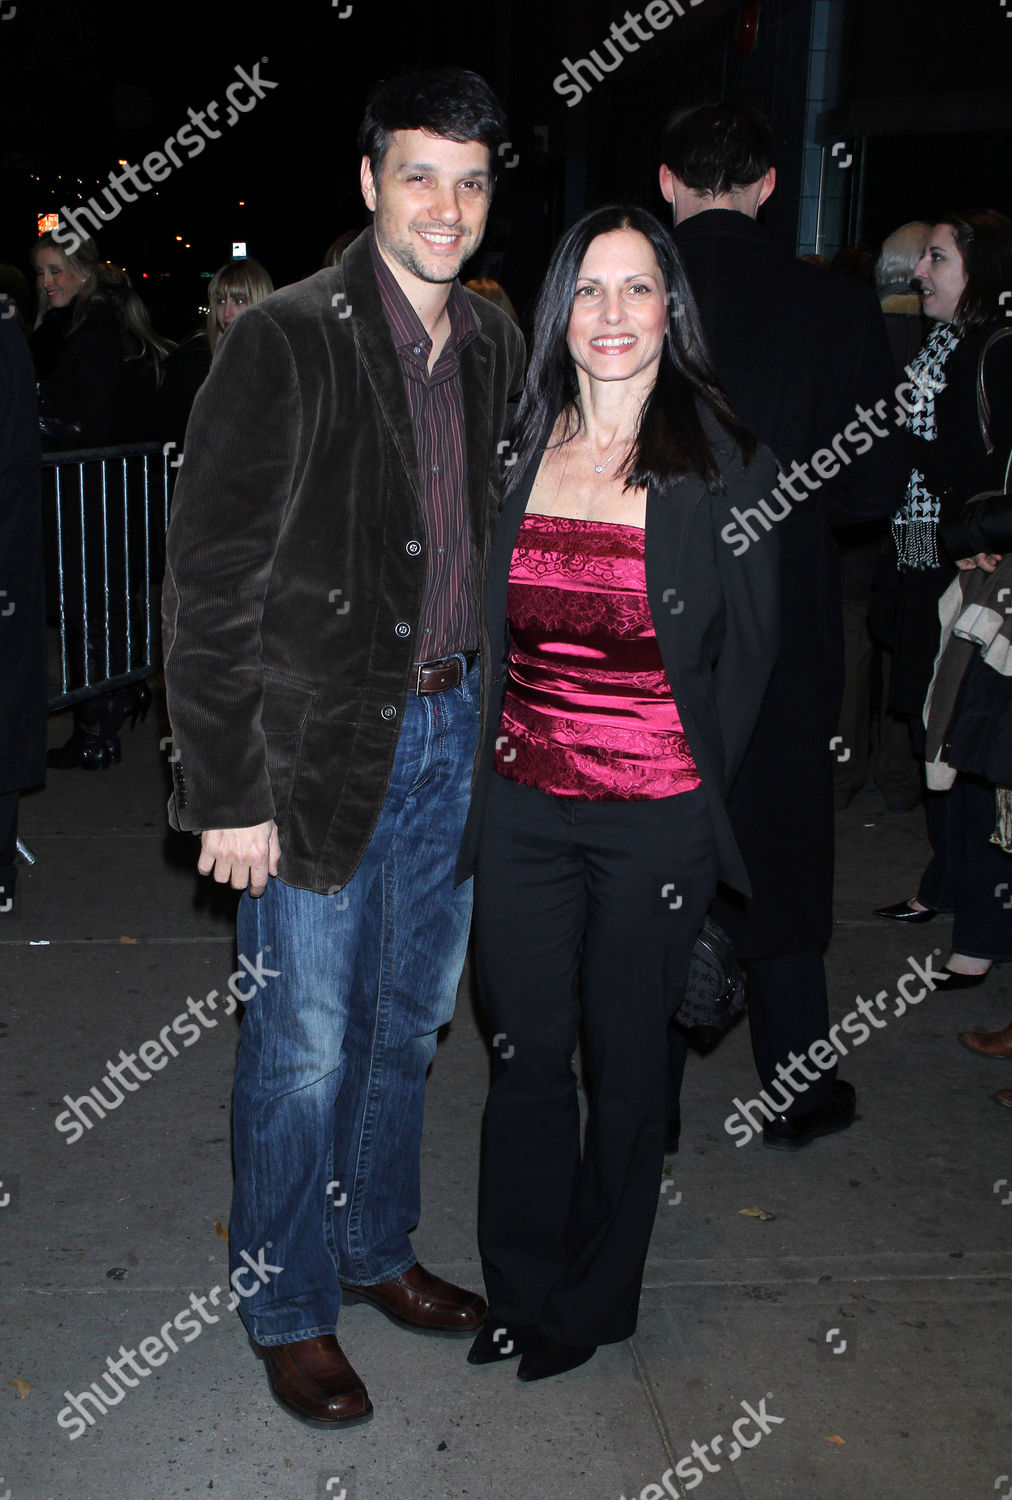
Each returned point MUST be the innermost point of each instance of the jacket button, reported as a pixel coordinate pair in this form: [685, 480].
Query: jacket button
[388, 711]
[402, 628]
[412, 548]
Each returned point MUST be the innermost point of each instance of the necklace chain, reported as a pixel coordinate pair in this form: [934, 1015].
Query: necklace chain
[600, 468]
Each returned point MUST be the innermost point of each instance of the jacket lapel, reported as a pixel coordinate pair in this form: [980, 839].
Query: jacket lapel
[374, 346]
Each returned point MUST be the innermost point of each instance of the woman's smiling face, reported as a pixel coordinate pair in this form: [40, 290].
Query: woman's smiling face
[620, 310]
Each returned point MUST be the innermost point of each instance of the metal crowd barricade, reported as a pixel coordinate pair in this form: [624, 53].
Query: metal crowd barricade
[106, 511]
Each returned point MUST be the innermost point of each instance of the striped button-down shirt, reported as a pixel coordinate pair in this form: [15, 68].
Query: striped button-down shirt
[449, 618]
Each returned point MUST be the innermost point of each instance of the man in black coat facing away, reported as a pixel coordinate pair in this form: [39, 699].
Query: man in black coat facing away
[805, 361]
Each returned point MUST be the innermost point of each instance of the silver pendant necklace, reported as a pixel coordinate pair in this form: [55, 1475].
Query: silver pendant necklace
[600, 468]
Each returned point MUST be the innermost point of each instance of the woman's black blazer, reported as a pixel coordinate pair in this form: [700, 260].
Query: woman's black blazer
[715, 610]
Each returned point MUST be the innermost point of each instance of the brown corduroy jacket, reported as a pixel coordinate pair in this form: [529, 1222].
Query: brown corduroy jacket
[296, 564]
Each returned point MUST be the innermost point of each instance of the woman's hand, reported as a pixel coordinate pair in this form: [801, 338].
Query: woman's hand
[986, 560]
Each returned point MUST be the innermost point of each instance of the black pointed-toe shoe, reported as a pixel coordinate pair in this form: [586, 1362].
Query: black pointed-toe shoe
[546, 1358]
[955, 981]
[904, 912]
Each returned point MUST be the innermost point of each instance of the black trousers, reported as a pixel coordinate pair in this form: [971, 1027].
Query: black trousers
[584, 913]
[969, 875]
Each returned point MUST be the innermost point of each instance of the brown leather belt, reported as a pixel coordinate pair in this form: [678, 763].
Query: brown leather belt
[437, 676]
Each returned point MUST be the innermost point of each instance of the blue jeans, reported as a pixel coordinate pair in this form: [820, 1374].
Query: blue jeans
[333, 1053]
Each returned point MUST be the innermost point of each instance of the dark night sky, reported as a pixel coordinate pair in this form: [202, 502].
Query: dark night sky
[84, 85]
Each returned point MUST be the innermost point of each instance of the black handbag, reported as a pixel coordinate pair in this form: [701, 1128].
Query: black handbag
[714, 990]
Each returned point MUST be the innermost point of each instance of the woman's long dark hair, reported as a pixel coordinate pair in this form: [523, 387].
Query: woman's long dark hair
[984, 237]
[670, 440]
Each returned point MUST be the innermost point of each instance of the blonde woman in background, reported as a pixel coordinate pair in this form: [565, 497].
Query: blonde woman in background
[236, 286]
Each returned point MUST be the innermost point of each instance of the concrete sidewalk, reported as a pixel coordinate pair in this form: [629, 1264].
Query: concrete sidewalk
[850, 1342]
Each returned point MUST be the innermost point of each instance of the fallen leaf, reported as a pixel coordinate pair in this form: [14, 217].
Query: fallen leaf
[756, 1213]
[21, 1386]
[840, 1442]
[127, 940]
[220, 1230]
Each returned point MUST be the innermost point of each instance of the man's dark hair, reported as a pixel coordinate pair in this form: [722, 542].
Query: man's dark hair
[452, 103]
[671, 440]
[716, 148]
[984, 238]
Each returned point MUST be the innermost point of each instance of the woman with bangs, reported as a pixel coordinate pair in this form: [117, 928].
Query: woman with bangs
[236, 285]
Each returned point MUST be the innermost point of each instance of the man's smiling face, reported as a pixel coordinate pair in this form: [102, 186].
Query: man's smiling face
[430, 202]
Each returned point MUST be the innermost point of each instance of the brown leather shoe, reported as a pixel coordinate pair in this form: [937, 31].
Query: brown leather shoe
[423, 1302]
[314, 1382]
[988, 1043]
[1003, 1096]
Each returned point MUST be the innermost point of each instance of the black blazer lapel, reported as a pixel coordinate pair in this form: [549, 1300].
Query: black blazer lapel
[497, 581]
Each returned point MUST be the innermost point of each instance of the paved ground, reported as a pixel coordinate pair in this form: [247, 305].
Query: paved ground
[864, 1318]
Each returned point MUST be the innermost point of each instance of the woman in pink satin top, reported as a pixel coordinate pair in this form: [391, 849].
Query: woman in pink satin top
[628, 647]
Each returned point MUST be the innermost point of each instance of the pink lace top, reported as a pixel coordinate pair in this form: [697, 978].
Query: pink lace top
[588, 710]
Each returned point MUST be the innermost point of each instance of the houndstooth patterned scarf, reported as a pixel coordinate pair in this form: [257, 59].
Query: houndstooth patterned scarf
[915, 524]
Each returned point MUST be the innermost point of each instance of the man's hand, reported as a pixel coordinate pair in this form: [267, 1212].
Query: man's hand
[240, 857]
[988, 561]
